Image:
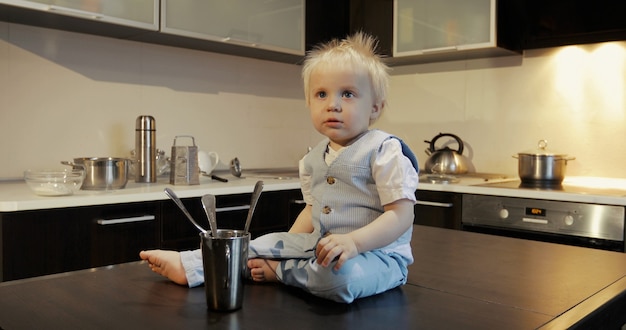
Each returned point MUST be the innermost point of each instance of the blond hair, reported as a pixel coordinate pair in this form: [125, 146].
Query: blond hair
[356, 52]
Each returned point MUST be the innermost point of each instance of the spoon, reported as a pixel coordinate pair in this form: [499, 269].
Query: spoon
[255, 198]
[170, 193]
[208, 204]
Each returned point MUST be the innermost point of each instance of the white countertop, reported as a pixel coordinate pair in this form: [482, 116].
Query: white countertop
[615, 188]
[16, 196]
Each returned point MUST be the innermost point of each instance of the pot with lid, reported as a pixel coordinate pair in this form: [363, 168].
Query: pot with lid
[446, 160]
[540, 166]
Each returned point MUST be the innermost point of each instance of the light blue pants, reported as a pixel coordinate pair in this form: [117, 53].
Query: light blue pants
[367, 274]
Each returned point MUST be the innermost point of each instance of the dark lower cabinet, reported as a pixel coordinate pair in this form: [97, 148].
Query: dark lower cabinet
[438, 209]
[42, 242]
[275, 211]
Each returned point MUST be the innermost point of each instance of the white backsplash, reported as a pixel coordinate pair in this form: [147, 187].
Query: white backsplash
[66, 95]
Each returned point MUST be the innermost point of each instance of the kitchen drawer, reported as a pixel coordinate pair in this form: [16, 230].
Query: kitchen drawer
[275, 211]
[438, 209]
[42, 242]
[119, 233]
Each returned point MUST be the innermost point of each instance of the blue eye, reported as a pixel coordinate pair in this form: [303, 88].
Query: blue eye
[347, 94]
[321, 94]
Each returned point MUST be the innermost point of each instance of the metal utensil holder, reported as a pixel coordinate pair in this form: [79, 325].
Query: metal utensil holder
[184, 169]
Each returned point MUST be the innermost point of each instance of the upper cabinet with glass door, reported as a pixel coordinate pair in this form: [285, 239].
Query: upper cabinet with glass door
[449, 29]
[141, 14]
[275, 26]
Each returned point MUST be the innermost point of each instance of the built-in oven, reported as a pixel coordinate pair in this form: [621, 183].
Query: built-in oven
[581, 224]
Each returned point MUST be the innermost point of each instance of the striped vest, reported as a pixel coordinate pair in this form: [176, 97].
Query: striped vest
[344, 193]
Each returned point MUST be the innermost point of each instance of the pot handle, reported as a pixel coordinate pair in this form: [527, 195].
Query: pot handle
[72, 164]
[458, 141]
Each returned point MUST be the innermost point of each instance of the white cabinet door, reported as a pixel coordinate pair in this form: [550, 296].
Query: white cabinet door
[135, 13]
[437, 26]
[276, 25]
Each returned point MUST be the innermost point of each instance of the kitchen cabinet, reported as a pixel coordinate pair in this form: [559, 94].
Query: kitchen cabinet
[552, 23]
[44, 242]
[427, 30]
[271, 25]
[374, 17]
[438, 209]
[275, 211]
[117, 18]
[41, 242]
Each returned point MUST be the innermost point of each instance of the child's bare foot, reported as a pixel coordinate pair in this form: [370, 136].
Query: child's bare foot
[263, 270]
[166, 263]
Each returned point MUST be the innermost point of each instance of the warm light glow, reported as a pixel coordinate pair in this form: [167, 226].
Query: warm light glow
[595, 182]
[570, 77]
[607, 63]
[590, 79]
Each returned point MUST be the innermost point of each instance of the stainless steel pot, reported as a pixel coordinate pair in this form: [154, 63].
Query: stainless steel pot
[103, 173]
[542, 166]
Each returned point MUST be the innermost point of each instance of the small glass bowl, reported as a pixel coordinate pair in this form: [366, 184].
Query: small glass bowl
[54, 182]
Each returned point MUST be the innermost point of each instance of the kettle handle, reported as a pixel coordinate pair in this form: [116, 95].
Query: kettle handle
[458, 141]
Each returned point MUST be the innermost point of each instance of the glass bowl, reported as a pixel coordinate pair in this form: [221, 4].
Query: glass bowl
[54, 182]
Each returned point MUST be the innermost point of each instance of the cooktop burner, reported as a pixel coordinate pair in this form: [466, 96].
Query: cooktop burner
[565, 187]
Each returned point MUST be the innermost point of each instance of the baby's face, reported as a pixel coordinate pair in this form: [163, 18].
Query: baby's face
[341, 103]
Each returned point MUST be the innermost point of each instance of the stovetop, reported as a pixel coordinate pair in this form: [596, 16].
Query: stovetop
[590, 186]
[466, 178]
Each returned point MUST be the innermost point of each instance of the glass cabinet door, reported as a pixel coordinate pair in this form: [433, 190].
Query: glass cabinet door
[136, 13]
[276, 25]
[429, 26]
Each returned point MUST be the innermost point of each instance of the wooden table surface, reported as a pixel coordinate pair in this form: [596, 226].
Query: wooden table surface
[459, 280]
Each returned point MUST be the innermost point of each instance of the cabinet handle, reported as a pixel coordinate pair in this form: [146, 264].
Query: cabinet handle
[232, 208]
[104, 222]
[440, 50]
[75, 12]
[435, 204]
[240, 42]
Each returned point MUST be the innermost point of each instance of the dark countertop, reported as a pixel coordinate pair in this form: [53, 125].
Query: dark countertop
[459, 280]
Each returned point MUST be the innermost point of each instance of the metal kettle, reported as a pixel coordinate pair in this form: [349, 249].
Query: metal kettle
[446, 160]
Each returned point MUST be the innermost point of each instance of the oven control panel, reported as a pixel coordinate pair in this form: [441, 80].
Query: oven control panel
[566, 218]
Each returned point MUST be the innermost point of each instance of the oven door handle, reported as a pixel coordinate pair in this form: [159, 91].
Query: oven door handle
[434, 204]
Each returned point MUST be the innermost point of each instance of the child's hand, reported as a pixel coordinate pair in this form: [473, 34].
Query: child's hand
[338, 247]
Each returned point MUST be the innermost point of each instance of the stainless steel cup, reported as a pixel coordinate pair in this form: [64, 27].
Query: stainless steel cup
[224, 259]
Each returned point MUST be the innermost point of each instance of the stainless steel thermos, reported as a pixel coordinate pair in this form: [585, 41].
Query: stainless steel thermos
[145, 149]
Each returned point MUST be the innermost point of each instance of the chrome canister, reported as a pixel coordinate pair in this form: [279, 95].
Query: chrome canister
[145, 149]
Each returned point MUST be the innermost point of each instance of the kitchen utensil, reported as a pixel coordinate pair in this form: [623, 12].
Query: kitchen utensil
[542, 166]
[54, 182]
[446, 160]
[224, 257]
[145, 148]
[208, 204]
[170, 193]
[235, 167]
[258, 188]
[215, 177]
[184, 168]
[235, 170]
[102, 173]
